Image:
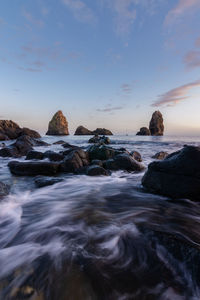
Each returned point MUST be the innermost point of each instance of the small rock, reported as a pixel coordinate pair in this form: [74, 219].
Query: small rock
[96, 170]
[34, 155]
[53, 156]
[160, 155]
[60, 142]
[81, 130]
[143, 131]
[42, 181]
[99, 139]
[4, 189]
[136, 155]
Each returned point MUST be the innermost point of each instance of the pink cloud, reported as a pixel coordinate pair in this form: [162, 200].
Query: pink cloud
[197, 43]
[176, 95]
[182, 8]
[192, 59]
[29, 17]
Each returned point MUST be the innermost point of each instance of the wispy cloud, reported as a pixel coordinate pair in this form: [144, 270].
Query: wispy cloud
[197, 42]
[192, 59]
[180, 10]
[80, 11]
[176, 95]
[109, 108]
[127, 88]
[30, 18]
[32, 70]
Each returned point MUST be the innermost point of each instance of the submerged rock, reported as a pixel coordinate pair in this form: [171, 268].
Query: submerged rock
[143, 131]
[42, 181]
[33, 168]
[60, 142]
[160, 155]
[81, 130]
[156, 126]
[177, 176]
[4, 189]
[58, 125]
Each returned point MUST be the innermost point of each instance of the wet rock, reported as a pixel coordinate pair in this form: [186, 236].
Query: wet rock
[124, 162]
[96, 170]
[4, 189]
[30, 132]
[97, 162]
[177, 176]
[33, 168]
[160, 155]
[3, 137]
[42, 181]
[67, 145]
[81, 130]
[99, 139]
[101, 152]
[53, 156]
[60, 142]
[102, 131]
[31, 141]
[143, 131]
[58, 125]
[136, 155]
[34, 155]
[75, 160]
[156, 125]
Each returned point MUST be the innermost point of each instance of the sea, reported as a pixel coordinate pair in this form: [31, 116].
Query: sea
[99, 238]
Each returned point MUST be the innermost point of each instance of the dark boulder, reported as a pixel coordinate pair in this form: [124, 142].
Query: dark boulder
[10, 129]
[58, 125]
[143, 131]
[53, 156]
[34, 155]
[60, 142]
[101, 152]
[69, 146]
[4, 189]
[102, 131]
[156, 125]
[74, 161]
[123, 162]
[177, 176]
[42, 181]
[33, 168]
[96, 170]
[97, 162]
[160, 155]
[81, 130]
[99, 139]
[3, 137]
[136, 155]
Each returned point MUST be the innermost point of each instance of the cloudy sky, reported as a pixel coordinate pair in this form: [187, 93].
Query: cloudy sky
[105, 63]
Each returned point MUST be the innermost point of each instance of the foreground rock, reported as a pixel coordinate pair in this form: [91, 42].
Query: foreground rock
[96, 170]
[74, 161]
[160, 155]
[99, 131]
[156, 126]
[81, 130]
[10, 130]
[124, 162]
[33, 168]
[143, 131]
[42, 181]
[99, 139]
[4, 189]
[177, 176]
[23, 145]
[58, 125]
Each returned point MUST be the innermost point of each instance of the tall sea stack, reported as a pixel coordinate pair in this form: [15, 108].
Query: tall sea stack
[156, 126]
[58, 125]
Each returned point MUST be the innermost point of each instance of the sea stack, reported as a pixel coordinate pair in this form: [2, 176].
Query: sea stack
[143, 131]
[156, 126]
[58, 125]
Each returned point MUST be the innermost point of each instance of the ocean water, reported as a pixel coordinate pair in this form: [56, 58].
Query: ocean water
[99, 237]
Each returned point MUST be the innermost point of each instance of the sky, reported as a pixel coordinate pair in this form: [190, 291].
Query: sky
[104, 63]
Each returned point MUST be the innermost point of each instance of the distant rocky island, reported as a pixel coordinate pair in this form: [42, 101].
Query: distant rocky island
[99, 131]
[156, 126]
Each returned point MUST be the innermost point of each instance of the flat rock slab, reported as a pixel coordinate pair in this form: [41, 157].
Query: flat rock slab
[33, 168]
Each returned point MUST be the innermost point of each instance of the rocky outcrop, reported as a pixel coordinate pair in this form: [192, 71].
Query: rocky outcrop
[10, 130]
[58, 125]
[177, 176]
[99, 131]
[33, 168]
[81, 130]
[143, 131]
[160, 155]
[156, 126]
[102, 131]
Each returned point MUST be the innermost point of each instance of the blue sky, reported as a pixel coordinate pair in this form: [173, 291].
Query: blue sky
[104, 63]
